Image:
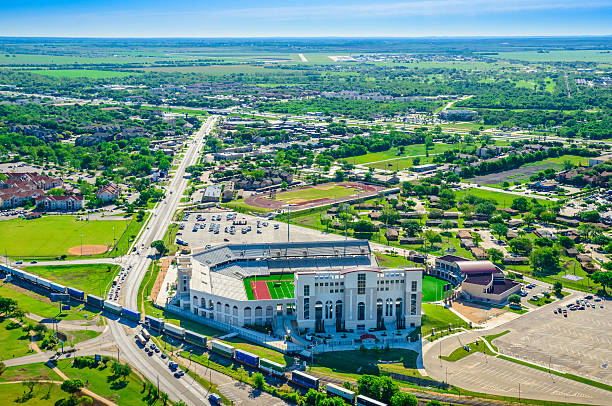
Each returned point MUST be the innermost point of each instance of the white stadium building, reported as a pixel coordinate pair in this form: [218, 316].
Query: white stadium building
[327, 286]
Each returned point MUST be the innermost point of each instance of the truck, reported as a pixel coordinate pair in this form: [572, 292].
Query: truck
[145, 334]
[140, 339]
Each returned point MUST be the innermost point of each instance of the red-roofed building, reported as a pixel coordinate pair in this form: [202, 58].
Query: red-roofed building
[108, 193]
[60, 203]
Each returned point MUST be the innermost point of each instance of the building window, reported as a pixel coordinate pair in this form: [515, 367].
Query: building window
[361, 311]
[414, 286]
[361, 282]
[306, 290]
[306, 308]
[413, 304]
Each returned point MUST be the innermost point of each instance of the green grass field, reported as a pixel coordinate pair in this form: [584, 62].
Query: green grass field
[281, 289]
[459, 353]
[432, 288]
[100, 381]
[353, 364]
[315, 192]
[557, 162]
[51, 236]
[502, 199]
[14, 341]
[558, 56]
[82, 73]
[34, 303]
[94, 278]
[438, 317]
[393, 153]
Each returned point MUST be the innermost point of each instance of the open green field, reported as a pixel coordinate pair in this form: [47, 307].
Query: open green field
[432, 288]
[557, 162]
[102, 382]
[14, 341]
[31, 302]
[353, 364]
[393, 153]
[52, 236]
[94, 278]
[459, 353]
[29, 371]
[558, 56]
[82, 73]
[438, 317]
[314, 193]
[502, 199]
[44, 394]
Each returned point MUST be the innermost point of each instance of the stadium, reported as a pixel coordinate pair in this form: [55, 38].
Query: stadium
[330, 286]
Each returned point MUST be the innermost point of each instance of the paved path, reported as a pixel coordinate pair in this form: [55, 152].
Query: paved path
[302, 58]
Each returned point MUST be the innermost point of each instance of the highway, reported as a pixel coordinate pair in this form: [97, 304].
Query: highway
[153, 367]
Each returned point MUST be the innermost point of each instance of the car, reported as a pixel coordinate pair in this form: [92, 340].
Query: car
[157, 350]
[226, 239]
[214, 399]
[258, 231]
[34, 262]
[163, 356]
[19, 262]
[555, 311]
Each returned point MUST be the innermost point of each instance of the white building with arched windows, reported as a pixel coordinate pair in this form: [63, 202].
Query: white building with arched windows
[325, 286]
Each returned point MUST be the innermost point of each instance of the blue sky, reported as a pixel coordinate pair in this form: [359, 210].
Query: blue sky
[313, 18]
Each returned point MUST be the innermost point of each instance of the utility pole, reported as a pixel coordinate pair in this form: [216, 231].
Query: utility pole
[117, 354]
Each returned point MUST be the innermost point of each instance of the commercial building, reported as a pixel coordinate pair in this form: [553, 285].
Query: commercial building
[328, 286]
[212, 193]
[478, 280]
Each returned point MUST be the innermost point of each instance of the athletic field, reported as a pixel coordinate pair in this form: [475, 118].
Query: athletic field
[52, 236]
[432, 288]
[269, 287]
[313, 196]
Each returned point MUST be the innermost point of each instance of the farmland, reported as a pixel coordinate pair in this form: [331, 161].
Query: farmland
[81, 73]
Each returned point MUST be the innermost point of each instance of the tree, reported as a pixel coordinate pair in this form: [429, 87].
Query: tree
[258, 380]
[529, 219]
[521, 204]
[548, 216]
[432, 237]
[495, 254]
[411, 227]
[604, 278]
[514, 299]
[86, 400]
[388, 388]
[558, 287]
[121, 370]
[521, 245]
[339, 176]
[160, 247]
[368, 385]
[446, 225]
[544, 260]
[404, 399]
[499, 229]
[566, 242]
[72, 386]
[592, 216]
[164, 397]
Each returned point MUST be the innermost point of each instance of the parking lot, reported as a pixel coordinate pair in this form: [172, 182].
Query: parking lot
[493, 375]
[580, 343]
[268, 231]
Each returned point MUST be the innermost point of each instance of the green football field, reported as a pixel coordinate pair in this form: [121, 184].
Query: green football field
[51, 236]
[284, 278]
[281, 289]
